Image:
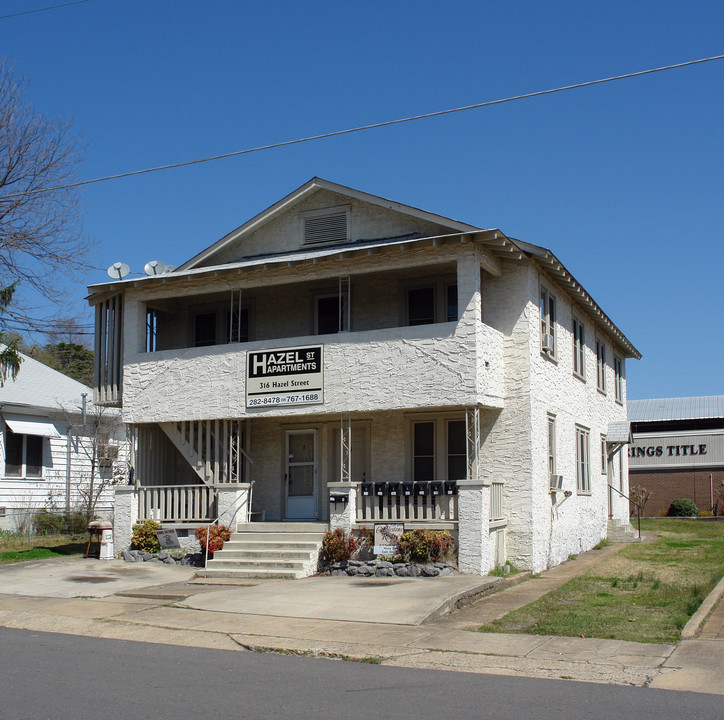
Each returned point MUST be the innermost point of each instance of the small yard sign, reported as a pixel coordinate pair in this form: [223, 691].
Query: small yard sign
[387, 537]
[168, 539]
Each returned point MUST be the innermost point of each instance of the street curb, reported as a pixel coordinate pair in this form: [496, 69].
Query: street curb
[691, 629]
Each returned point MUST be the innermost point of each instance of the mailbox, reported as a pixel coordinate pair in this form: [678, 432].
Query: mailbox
[366, 489]
[451, 487]
[422, 489]
[381, 489]
[407, 489]
[436, 488]
[339, 497]
[393, 489]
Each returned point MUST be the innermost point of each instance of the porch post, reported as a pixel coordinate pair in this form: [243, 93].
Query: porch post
[125, 515]
[473, 535]
[232, 504]
[342, 514]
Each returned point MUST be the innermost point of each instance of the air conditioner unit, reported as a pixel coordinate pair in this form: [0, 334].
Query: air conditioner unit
[556, 483]
[547, 343]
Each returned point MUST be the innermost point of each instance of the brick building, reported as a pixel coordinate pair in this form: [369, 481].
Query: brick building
[678, 451]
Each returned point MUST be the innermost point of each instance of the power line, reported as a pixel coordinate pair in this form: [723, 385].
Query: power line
[374, 126]
[43, 9]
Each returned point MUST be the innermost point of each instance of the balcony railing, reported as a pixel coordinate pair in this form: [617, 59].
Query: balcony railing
[408, 509]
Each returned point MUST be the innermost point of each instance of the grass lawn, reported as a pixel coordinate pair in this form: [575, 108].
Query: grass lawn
[40, 547]
[646, 592]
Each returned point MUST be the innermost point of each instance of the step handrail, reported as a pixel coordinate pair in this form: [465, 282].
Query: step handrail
[216, 522]
[638, 507]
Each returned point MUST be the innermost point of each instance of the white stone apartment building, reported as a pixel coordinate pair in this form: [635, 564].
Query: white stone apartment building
[355, 360]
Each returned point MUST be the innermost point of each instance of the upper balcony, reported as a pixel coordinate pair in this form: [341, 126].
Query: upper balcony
[391, 340]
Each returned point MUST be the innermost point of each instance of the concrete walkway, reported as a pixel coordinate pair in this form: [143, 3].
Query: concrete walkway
[400, 622]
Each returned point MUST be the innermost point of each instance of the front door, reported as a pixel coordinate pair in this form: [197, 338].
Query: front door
[301, 475]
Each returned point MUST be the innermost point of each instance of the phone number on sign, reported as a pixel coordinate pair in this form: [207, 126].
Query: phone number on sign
[285, 399]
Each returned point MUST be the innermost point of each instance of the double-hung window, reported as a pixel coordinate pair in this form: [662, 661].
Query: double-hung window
[457, 462]
[618, 378]
[23, 455]
[432, 304]
[423, 449]
[547, 323]
[332, 314]
[583, 472]
[600, 365]
[551, 445]
[604, 456]
[579, 348]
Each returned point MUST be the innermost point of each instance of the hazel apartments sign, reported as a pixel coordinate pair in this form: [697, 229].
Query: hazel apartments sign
[285, 376]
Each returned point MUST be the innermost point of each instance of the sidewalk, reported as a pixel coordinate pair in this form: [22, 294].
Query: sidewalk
[372, 620]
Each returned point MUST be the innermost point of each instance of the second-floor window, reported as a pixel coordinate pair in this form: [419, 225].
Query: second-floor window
[331, 314]
[579, 349]
[547, 322]
[618, 378]
[432, 304]
[600, 365]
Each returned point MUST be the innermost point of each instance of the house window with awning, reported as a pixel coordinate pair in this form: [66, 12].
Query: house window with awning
[24, 441]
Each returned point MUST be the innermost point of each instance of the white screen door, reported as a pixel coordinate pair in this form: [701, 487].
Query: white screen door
[301, 480]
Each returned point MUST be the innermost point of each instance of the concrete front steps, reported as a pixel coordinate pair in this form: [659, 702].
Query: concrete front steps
[269, 550]
[621, 531]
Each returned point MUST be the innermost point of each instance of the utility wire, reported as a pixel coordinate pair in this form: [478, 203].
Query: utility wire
[374, 126]
[43, 9]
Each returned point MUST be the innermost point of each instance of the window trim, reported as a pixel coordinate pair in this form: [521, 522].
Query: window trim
[583, 460]
[578, 336]
[604, 456]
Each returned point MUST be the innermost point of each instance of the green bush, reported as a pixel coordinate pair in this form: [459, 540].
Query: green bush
[337, 546]
[683, 507]
[46, 523]
[426, 545]
[144, 536]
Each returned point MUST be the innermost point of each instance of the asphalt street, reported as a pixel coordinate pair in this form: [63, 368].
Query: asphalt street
[64, 677]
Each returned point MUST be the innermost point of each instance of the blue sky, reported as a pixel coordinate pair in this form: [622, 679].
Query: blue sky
[623, 182]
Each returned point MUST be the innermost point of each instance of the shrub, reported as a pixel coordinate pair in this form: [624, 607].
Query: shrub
[46, 523]
[218, 535]
[683, 507]
[426, 545]
[144, 536]
[337, 546]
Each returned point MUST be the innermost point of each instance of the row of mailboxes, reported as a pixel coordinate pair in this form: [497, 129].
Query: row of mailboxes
[409, 489]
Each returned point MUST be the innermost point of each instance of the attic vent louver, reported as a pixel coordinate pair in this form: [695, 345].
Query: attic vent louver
[328, 228]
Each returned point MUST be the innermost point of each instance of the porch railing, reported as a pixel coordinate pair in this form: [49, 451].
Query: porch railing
[413, 508]
[177, 503]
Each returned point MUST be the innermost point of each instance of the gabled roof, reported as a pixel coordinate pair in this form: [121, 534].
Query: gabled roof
[494, 241]
[684, 408]
[41, 387]
[307, 189]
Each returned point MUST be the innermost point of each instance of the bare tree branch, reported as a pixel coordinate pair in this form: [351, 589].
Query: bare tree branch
[40, 232]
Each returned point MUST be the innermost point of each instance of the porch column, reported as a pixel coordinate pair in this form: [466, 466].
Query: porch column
[342, 514]
[473, 535]
[125, 515]
[232, 504]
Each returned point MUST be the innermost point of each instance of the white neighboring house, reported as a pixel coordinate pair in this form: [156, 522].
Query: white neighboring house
[359, 361]
[46, 452]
